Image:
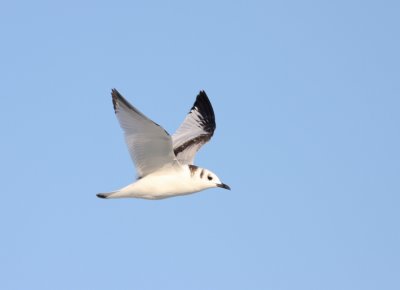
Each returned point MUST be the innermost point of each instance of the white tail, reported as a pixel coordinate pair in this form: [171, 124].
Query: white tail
[106, 194]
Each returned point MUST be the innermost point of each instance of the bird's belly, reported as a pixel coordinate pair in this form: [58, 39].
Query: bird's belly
[162, 186]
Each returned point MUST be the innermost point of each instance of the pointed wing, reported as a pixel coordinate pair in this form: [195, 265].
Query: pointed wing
[149, 145]
[196, 130]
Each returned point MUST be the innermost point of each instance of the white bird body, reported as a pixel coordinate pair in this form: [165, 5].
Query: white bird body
[164, 163]
[173, 181]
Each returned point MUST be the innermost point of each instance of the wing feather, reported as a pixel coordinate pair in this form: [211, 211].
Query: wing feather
[196, 130]
[149, 145]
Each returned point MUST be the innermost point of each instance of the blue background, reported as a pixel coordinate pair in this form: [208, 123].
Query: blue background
[307, 98]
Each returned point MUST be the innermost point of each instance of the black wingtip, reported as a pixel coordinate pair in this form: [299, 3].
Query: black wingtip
[202, 100]
[115, 96]
[202, 97]
[204, 106]
[203, 92]
[101, 195]
[119, 100]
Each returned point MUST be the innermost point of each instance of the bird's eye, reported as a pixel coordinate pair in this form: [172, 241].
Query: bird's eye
[209, 177]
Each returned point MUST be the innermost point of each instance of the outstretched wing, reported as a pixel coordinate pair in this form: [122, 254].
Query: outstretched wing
[149, 145]
[196, 130]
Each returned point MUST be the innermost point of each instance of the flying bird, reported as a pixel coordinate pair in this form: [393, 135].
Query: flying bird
[164, 163]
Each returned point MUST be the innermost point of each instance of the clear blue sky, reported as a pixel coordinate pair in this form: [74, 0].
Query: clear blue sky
[307, 99]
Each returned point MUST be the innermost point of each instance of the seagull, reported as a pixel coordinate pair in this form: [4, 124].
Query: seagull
[164, 163]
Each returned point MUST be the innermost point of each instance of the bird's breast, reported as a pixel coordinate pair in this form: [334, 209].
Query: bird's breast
[157, 186]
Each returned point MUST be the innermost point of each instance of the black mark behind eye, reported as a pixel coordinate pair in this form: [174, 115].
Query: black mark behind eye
[209, 177]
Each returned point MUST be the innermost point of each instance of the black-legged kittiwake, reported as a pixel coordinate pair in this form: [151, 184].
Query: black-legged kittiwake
[164, 163]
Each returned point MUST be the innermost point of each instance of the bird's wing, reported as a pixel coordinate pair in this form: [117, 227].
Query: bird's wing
[196, 130]
[149, 145]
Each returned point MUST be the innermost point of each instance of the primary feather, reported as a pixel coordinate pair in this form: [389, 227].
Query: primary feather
[149, 145]
[196, 130]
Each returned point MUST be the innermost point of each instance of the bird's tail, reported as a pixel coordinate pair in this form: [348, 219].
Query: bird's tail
[106, 194]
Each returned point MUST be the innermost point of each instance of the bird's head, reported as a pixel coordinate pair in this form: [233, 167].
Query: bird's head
[208, 179]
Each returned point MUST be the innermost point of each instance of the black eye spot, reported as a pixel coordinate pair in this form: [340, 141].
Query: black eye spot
[209, 177]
